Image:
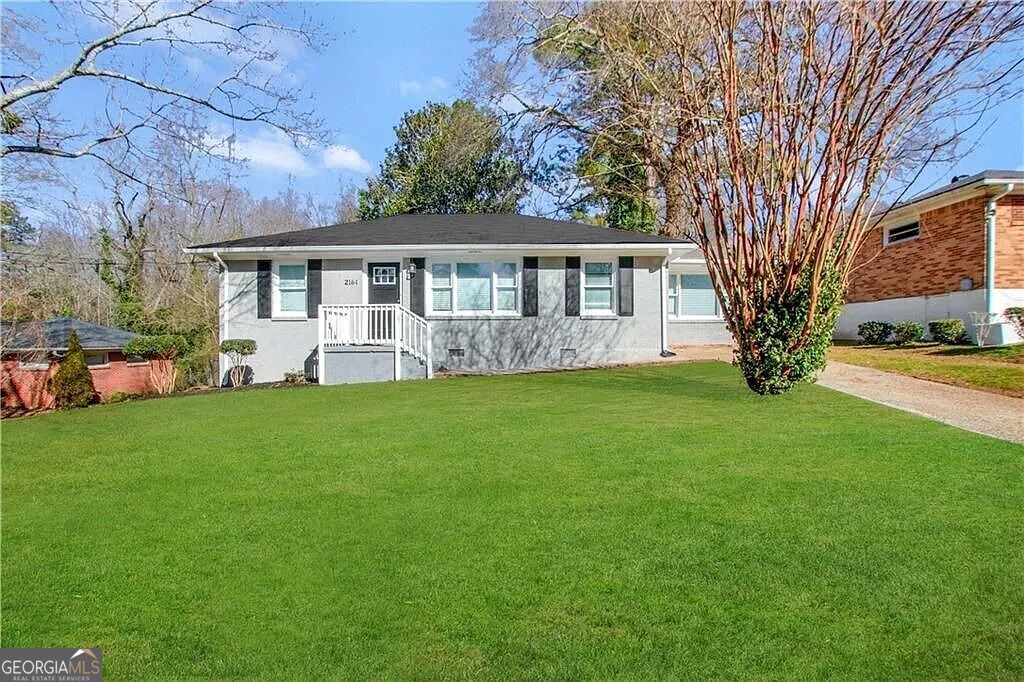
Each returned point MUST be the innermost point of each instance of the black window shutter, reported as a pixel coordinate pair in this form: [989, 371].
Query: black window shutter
[314, 287]
[572, 286]
[418, 292]
[626, 286]
[530, 286]
[263, 289]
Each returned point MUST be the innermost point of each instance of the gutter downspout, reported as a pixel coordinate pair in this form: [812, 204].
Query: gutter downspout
[665, 352]
[990, 249]
[222, 305]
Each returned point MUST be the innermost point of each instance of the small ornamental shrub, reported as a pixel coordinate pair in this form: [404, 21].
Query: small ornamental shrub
[775, 354]
[1015, 316]
[71, 385]
[161, 350]
[237, 351]
[117, 397]
[949, 331]
[875, 333]
[295, 376]
[905, 333]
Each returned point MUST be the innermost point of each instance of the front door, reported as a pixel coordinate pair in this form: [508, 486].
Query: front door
[384, 283]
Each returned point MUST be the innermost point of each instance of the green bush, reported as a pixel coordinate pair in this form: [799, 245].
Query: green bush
[1015, 315]
[156, 346]
[237, 351]
[875, 333]
[948, 330]
[905, 333]
[161, 350]
[71, 385]
[295, 376]
[771, 352]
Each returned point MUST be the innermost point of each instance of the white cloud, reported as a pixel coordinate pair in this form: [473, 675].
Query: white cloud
[271, 151]
[274, 151]
[430, 87]
[345, 158]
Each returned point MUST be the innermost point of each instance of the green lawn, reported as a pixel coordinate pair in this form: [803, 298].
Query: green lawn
[644, 523]
[997, 370]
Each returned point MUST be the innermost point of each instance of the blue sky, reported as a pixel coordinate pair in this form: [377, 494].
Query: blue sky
[389, 58]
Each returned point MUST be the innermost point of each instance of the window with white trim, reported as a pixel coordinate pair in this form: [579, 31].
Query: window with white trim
[384, 274]
[903, 233]
[598, 288]
[96, 359]
[33, 361]
[474, 287]
[692, 295]
[290, 290]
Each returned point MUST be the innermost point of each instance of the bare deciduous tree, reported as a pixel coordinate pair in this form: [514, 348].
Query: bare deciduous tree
[771, 131]
[153, 62]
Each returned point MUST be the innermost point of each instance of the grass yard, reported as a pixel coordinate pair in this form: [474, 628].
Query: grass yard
[645, 523]
[997, 370]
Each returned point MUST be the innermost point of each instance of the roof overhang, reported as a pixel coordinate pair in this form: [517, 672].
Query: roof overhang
[243, 251]
[930, 202]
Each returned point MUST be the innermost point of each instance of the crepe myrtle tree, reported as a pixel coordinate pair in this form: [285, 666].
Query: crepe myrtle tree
[773, 134]
[237, 351]
[161, 350]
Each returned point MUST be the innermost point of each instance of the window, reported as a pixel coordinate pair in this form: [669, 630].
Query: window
[441, 288]
[136, 360]
[96, 359]
[384, 274]
[598, 290]
[290, 297]
[904, 233]
[474, 288]
[33, 361]
[692, 295]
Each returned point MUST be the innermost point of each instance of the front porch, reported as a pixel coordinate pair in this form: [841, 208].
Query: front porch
[372, 342]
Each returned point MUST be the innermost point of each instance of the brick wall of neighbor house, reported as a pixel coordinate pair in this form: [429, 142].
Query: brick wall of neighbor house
[951, 248]
[1010, 242]
[30, 385]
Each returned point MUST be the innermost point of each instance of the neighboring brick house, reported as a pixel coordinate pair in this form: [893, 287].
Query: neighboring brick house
[31, 354]
[949, 253]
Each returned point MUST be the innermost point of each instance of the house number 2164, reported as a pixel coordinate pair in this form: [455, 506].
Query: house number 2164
[351, 282]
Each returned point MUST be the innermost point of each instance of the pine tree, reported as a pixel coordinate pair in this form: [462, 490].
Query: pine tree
[71, 385]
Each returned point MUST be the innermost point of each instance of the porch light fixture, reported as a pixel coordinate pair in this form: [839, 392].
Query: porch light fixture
[410, 272]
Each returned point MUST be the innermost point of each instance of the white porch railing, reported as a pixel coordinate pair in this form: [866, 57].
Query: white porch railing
[376, 325]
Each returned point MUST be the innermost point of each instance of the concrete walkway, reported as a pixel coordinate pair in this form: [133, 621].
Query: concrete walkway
[990, 414]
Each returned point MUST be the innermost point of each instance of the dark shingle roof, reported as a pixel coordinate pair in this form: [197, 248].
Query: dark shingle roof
[432, 230]
[54, 334]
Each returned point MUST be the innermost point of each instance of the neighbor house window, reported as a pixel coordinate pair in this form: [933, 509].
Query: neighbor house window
[290, 297]
[33, 361]
[476, 287]
[904, 233]
[96, 359]
[692, 295]
[136, 360]
[598, 290]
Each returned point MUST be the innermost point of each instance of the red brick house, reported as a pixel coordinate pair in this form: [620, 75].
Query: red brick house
[949, 253]
[31, 354]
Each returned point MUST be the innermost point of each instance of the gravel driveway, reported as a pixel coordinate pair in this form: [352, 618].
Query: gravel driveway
[994, 415]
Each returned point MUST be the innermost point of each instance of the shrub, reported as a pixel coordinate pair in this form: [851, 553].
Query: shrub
[117, 397]
[875, 333]
[237, 351]
[905, 333]
[164, 349]
[295, 376]
[71, 385]
[773, 353]
[1015, 316]
[949, 330]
